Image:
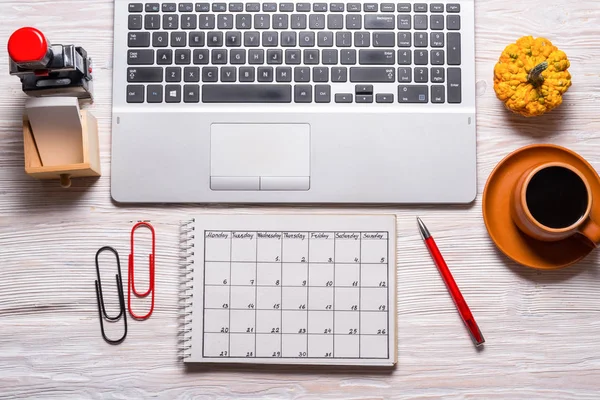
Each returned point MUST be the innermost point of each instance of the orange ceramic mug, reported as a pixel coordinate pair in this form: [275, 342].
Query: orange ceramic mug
[552, 201]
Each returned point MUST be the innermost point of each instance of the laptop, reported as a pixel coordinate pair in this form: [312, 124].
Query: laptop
[294, 102]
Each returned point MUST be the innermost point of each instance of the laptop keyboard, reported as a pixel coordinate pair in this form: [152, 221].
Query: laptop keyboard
[294, 53]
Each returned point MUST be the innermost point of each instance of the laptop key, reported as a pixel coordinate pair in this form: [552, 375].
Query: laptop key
[353, 21]
[228, 74]
[286, 7]
[316, 21]
[320, 74]
[183, 56]
[453, 48]
[169, 7]
[138, 39]
[437, 57]
[225, 21]
[173, 74]
[200, 56]
[269, 7]
[189, 21]
[206, 21]
[219, 7]
[164, 56]
[348, 57]
[384, 98]
[454, 85]
[436, 22]
[404, 57]
[170, 21]
[196, 39]
[237, 56]
[265, 74]
[453, 8]
[202, 7]
[453, 22]
[421, 39]
[144, 74]
[247, 93]
[404, 74]
[436, 7]
[364, 98]
[236, 7]
[136, 7]
[252, 7]
[233, 39]
[376, 57]
[413, 93]
[303, 7]
[437, 94]
[173, 93]
[303, 93]
[288, 39]
[339, 74]
[301, 74]
[343, 97]
[191, 93]
[329, 56]
[280, 21]
[283, 74]
[191, 74]
[154, 94]
[372, 74]
[186, 7]
[421, 75]
[210, 74]
[243, 21]
[437, 75]
[247, 74]
[336, 7]
[135, 93]
[420, 22]
[322, 94]
[379, 21]
[135, 22]
[404, 39]
[178, 39]
[437, 39]
[152, 7]
[335, 21]
[140, 57]
[383, 39]
[214, 39]
[404, 22]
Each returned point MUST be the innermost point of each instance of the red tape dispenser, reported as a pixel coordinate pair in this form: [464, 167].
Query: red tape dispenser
[131, 280]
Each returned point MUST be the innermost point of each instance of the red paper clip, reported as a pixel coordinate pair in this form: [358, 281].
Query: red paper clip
[131, 283]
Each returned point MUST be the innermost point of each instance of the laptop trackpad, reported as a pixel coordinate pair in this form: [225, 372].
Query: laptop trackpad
[260, 156]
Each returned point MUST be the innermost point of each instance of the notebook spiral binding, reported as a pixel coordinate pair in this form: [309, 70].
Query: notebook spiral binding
[186, 262]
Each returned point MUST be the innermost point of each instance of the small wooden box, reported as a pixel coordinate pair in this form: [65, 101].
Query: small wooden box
[91, 154]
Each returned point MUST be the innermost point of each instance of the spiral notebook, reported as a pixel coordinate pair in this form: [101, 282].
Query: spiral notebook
[289, 289]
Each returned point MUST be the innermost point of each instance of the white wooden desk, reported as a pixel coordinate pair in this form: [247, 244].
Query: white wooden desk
[542, 328]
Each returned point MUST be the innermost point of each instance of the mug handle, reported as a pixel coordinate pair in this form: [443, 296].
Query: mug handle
[591, 230]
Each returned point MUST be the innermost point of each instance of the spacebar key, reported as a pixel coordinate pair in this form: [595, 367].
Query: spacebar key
[247, 93]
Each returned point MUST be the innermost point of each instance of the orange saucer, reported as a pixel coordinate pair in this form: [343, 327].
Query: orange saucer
[496, 209]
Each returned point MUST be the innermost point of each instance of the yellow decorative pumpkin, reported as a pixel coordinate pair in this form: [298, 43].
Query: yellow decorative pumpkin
[531, 76]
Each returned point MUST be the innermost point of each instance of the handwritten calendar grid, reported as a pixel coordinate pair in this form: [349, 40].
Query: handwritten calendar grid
[317, 294]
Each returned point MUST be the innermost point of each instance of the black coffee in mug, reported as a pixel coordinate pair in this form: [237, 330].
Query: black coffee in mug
[556, 197]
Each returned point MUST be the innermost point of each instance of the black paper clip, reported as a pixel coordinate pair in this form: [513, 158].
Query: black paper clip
[99, 297]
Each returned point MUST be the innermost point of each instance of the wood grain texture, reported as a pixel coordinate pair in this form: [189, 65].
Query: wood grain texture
[542, 328]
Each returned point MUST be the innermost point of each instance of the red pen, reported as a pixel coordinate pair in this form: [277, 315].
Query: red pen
[459, 301]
